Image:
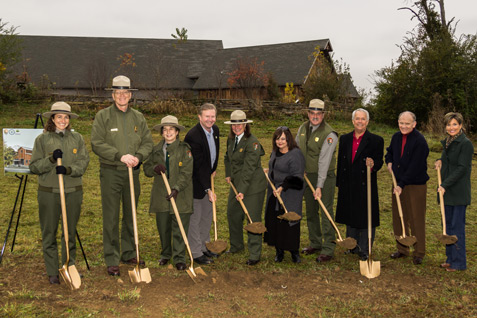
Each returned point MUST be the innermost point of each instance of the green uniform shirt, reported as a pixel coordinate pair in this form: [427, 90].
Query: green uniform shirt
[75, 156]
[180, 177]
[116, 133]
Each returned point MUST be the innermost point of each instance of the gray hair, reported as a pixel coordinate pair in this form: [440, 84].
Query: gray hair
[207, 106]
[360, 110]
[409, 113]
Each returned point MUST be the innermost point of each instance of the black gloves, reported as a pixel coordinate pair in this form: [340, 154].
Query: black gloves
[60, 170]
[160, 168]
[57, 154]
[173, 194]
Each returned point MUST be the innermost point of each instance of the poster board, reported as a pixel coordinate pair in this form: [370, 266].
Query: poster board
[17, 148]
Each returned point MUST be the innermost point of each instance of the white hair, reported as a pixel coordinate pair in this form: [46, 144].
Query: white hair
[360, 110]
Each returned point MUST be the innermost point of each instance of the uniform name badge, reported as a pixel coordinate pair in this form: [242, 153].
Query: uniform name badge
[114, 129]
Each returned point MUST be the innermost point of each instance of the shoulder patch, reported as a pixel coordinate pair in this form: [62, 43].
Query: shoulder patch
[329, 140]
[255, 145]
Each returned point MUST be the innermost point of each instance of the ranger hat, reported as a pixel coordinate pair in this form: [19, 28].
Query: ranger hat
[169, 121]
[238, 117]
[316, 104]
[60, 108]
[121, 82]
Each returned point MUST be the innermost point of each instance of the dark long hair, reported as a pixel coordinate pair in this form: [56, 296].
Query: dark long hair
[247, 132]
[51, 127]
[290, 140]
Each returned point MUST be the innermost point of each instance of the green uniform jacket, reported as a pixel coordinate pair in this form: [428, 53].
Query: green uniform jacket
[243, 165]
[116, 133]
[456, 170]
[311, 146]
[75, 156]
[181, 165]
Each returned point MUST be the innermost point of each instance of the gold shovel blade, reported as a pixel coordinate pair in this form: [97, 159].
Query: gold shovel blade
[256, 228]
[216, 247]
[70, 276]
[446, 239]
[138, 275]
[348, 243]
[369, 268]
[406, 240]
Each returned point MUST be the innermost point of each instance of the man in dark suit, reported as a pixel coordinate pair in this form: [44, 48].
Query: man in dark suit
[357, 150]
[203, 139]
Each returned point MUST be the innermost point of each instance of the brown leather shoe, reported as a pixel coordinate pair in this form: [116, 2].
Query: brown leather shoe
[252, 262]
[323, 258]
[54, 280]
[133, 261]
[163, 261]
[417, 260]
[397, 254]
[181, 266]
[445, 265]
[310, 250]
[113, 270]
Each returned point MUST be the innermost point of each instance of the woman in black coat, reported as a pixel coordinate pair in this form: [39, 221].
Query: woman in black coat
[357, 150]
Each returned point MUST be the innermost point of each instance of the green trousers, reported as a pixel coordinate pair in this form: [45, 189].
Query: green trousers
[322, 235]
[236, 216]
[172, 243]
[114, 190]
[49, 207]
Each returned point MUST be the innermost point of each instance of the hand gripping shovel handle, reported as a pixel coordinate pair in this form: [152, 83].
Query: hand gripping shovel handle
[241, 203]
[179, 222]
[398, 202]
[324, 209]
[441, 201]
[214, 207]
[274, 190]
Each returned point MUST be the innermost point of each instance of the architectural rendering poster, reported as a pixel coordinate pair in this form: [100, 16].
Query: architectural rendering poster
[18, 148]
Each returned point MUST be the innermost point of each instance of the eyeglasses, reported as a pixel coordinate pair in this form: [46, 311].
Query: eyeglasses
[283, 128]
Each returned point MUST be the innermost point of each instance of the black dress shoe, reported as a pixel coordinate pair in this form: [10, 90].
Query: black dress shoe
[397, 255]
[322, 258]
[417, 260]
[295, 257]
[210, 254]
[54, 280]
[113, 270]
[252, 262]
[310, 250]
[163, 261]
[133, 261]
[181, 266]
[203, 260]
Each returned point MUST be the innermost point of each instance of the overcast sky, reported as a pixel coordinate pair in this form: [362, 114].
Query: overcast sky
[364, 33]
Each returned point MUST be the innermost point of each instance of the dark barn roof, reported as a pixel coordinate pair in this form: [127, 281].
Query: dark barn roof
[287, 62]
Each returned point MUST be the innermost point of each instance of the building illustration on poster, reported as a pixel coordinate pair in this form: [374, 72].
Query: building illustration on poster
[18, 148]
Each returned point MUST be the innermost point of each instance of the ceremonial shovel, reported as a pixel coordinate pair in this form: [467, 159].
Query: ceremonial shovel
[403, 239]
[69, 273]
[217, 246]
[192, 273]
[257, 227]
[137, 275]
[349, 242]
[289, 216]
[369, 268]
[444, 238]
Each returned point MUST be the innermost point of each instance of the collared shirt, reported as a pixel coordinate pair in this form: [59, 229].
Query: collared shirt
[239, 137]
[211, 142]
[356, 142]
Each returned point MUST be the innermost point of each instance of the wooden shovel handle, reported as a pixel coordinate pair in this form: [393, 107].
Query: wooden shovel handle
[441, 202]
[214, 207]
[368, 179]
[274, 190]
[398, 202]
[324, 208]
[63, 212]
[179, 221]
[133, 208]
[241, 203]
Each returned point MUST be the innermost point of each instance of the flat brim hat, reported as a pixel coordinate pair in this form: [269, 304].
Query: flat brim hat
[316, 104]
[238, 117]
[60, 108]
[121, 82]
[169, 121]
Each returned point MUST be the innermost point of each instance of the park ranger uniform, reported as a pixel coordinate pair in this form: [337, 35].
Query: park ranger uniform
[75, 160]
[244, 168]
[116, 133]
[179, 172]
[318, 144]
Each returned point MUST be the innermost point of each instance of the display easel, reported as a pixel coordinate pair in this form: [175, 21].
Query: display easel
[25, 177]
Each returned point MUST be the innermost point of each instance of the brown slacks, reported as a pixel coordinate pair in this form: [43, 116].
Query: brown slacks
[413, 202]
